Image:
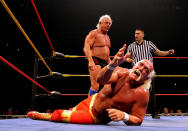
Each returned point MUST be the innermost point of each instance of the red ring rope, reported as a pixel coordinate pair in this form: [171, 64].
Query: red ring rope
[22, 73]
[15, 68]
[171, 94]
[37, 13]
[172, 57]
[74, 94]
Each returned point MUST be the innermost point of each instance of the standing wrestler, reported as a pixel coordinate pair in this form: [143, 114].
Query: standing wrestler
[126, 99]
[97, 50]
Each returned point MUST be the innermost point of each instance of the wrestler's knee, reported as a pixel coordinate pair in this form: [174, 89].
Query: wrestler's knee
[92, 92]
[56, 115]
[81, 117]
[94, 87]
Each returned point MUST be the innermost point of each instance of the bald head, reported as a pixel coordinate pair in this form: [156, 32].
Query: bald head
[142, 70]
[148, 63]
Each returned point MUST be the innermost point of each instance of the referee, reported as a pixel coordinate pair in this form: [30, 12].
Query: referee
[143, 49]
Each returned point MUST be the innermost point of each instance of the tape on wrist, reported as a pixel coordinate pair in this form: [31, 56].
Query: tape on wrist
[110, 68]
[126, 118]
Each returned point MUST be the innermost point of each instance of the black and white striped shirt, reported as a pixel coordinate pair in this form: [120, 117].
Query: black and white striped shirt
[143, 51]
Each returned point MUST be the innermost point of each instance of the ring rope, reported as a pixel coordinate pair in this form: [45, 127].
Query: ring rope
[172, 57]
[73, 75]
[171, 75]
[66, 56]
[171, 94]
[57, 74]
[40, 20]
[74, 56]
[60, 76]
[74, 94]
[77, 56]
[22, 73]
[29, 78]
[64, 95]
[24, 33]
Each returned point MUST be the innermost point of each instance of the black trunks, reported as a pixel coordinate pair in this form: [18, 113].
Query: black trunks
[99, 61]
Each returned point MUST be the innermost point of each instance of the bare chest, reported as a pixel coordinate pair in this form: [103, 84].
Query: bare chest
[124, 99]
[102, 40]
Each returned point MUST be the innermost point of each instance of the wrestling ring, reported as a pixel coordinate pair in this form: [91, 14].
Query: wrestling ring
[170, 121]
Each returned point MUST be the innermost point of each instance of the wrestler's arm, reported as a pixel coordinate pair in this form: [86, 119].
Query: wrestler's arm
[107, 76]
[129, 58]
[89, 41]
[137, 114]
[164, 53]
[109, 60]
[111, 72]
[138, 111]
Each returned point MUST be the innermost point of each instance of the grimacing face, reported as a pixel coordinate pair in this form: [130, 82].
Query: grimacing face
[139, 35]
[141, 70]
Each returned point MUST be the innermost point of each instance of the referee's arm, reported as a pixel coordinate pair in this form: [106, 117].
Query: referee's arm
[164, 53]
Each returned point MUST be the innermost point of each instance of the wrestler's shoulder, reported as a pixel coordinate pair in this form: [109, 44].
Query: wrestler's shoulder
[142, 93]
[121, 70]
[93, 32]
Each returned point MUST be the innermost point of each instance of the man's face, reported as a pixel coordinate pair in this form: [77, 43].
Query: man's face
[105, 24]
[166, 110]
[139, 35]
[141, 70]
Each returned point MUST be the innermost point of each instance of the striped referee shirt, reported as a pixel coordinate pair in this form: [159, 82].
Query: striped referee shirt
[143, 51]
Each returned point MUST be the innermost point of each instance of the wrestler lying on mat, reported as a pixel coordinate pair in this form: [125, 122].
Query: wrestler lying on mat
[126, 99]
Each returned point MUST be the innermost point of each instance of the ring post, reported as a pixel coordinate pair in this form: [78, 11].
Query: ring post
[34, 86]
[154, 104]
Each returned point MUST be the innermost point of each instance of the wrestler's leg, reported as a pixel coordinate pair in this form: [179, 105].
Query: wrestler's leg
[39, 116]
[107, 89]
[93, 78]
[81, 116]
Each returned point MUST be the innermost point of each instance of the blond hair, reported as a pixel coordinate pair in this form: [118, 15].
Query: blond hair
[102, 17]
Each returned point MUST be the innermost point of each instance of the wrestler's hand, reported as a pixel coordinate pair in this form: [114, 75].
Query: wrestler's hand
[115, 114]
[91, 66]
[119, 58]
[127, 58]
[171, 52]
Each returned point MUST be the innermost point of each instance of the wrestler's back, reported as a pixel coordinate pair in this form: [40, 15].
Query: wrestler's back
[101, 46]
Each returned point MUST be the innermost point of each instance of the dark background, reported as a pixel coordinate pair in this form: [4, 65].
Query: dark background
[67, 23]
